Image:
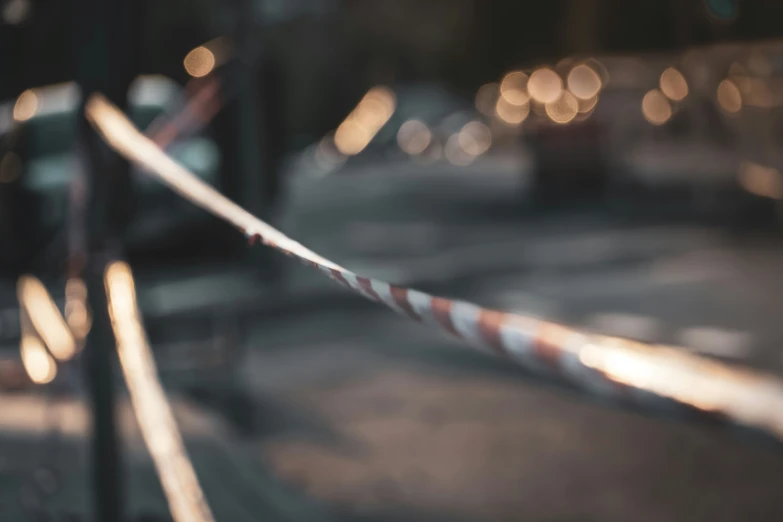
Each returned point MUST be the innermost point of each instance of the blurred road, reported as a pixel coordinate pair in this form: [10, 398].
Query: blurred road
[340, 410]
[363, 410]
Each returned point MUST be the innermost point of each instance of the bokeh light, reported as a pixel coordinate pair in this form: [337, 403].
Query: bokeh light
[545, 85]
[37, 362]
[475, 138]
[414, 137]
[199, 62]
[583, 82]
[45, 317]
[729, 96]
[673, 84]
[26, 106]
[656, 108]
[513, 88]
[351, 138]
[511, 114]
[364, 122]
[564, 109]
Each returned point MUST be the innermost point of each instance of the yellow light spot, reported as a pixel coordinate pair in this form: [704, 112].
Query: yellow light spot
[513, 88]
[364, 122]
[583, 82]
[760, 180]
[151, 408]
[486, 97]
[729, 96]
[26, 106]
[475, 138]
[511, 114]
[545, 85]
[564, 109]
[656, 107]
[10, 167]
[351, 138]
[37, 362]
[199, 62]
[46, 318]
[414, 137]
[673, 84]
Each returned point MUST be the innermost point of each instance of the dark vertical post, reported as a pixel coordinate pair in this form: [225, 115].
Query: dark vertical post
[106, 61]
[246, 107]
[250, 128]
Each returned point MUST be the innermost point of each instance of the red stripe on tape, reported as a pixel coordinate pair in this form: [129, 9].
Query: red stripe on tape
[366, 285]
[400, 296]
[441, 310]
[490, 323]
[546, 344]
[338, 276]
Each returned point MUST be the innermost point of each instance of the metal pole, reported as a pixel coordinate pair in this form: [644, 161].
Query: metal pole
[107, 61]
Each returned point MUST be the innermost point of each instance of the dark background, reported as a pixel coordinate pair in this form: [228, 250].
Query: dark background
[334, 50]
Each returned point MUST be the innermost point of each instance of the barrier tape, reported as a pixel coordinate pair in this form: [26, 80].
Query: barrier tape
[153, 412]
[608, 366]
[203, 102]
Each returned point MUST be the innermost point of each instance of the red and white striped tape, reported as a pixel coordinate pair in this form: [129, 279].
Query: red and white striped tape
[607, 366]
[203, 102]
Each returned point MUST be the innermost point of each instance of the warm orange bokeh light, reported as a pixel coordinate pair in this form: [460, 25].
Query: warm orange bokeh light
[199, 62]
[514, 88]
[364, 122]
[729, 96]
[511, 114]
[26, 106]
[673, 84]
[545, 85]
[583, 82]
[656, 108]
[564, 109]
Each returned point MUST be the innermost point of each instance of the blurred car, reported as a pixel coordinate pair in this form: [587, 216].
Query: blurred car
[39, 159]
